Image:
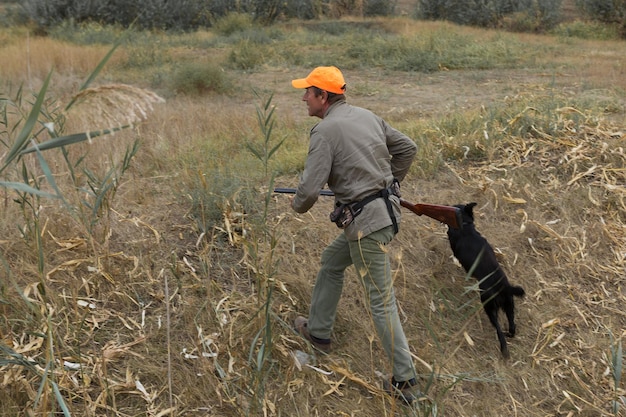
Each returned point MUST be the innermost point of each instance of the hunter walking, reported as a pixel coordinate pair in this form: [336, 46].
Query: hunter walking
[362, 159]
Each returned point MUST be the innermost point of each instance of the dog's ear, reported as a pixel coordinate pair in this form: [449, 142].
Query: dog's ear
[469, 209]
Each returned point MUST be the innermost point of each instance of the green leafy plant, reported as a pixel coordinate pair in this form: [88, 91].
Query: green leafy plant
[200, 78]
[31, 180]
[232, 23]
[265, 150]
[247, 55]
[262, 253]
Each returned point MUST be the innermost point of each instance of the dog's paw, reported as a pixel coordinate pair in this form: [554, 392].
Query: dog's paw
[511, 330]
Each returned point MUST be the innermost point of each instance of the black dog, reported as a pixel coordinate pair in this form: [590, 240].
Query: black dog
[477, 256]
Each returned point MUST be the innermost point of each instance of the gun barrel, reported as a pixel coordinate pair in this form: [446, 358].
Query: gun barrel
[293, 191]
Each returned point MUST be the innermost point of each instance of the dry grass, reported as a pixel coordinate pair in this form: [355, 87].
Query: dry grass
[163, 322]
[29, 59]
[563, 241]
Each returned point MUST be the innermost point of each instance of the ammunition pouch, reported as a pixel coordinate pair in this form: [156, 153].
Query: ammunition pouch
[344, 214]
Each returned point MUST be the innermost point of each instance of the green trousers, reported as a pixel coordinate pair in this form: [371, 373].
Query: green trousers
[371, 260]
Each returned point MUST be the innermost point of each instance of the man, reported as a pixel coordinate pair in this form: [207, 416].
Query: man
[362, 159]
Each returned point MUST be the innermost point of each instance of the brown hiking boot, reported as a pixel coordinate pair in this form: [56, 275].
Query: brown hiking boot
[301, 326]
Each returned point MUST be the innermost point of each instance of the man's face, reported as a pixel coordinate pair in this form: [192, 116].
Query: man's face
[315, 103]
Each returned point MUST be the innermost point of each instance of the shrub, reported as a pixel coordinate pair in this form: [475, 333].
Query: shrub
[266, 11]
[440, 49]
[87, 33]
[301, 9]
[246, 55]
[200, 78]
[191, 14]
[586, 30]
[379, 8]
[607, 11]
[213, 193]
[182, 14]
[603, 10]
[544, 13]
[232, 23]
[11, 14]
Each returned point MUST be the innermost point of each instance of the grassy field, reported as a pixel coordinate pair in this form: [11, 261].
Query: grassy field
[166, 279]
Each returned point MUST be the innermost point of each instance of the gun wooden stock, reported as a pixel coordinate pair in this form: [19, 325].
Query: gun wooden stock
[445, 214]
[449, 215]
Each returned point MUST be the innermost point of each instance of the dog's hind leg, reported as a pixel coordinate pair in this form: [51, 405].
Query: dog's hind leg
[509, 310]
[492, 312]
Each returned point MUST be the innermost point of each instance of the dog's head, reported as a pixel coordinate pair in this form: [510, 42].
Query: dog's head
[467, 212]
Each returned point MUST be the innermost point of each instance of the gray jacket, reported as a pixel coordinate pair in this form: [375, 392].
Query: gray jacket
[357, 154]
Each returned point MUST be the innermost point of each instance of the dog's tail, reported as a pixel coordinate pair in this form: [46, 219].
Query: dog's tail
[516, 291]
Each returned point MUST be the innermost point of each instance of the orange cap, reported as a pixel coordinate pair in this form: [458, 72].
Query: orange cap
[327, 78]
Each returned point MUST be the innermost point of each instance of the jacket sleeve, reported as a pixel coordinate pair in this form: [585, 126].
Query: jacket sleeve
[316, 173]
[402, 150]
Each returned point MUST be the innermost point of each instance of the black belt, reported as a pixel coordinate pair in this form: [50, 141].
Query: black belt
[358, 206]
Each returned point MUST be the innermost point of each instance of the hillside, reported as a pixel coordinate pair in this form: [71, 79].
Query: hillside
[150, 313]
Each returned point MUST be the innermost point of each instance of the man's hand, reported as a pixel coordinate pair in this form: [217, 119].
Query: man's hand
[395, 188]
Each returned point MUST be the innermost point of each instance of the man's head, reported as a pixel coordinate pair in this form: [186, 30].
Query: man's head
[324, 86]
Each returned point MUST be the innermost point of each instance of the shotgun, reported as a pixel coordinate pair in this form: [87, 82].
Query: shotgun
[448, 215]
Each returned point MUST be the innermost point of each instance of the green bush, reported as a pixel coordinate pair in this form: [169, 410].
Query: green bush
[379, 8]
[441, 49]
[543, 13]
[213, 192]
[200, 78]
[301, 9]
[86, 33]
[160, 14]
[586, 30]
[232, 23]
[247, 55]
[12, 14]
[603, 10]
[607, 11]
[191, 14]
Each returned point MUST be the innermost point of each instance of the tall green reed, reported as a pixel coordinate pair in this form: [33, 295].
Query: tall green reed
[266, 119]
[36, 130]
[214, 203]
[261, 248]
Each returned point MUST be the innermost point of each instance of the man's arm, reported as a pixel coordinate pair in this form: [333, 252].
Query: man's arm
[315, 175]
[402, 150]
